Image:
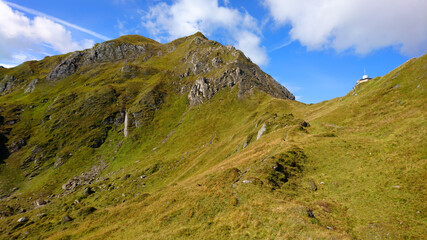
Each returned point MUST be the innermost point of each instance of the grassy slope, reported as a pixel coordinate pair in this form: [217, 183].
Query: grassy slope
[376, 166]
[365, 152]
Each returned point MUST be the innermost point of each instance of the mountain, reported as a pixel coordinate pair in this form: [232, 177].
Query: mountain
[135, 139]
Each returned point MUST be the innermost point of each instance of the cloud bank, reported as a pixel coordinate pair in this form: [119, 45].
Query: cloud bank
[20, 37]
[359, 25]
[186, 17]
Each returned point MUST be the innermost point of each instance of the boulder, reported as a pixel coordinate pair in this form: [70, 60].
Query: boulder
[312, 185]
[310, 213]
[71, 184]
[305, 124]
[39, 202]
[67, 218]
[88, 191]
[23, 219]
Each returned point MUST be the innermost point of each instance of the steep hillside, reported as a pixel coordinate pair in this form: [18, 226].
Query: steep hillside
[135, 139]
[55, 106]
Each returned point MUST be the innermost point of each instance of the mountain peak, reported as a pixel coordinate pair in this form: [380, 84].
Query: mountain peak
[200, 34]
[135, 39]
[190, 58]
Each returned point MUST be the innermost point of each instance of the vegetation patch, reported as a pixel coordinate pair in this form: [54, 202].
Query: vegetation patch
[281, 168]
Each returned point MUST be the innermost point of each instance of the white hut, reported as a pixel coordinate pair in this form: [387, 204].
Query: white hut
[364, 78]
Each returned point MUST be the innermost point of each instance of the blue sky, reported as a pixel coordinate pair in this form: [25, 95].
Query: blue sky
[318, 49]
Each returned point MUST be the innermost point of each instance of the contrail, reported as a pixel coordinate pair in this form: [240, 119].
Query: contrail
[281, 46]
[37, 13]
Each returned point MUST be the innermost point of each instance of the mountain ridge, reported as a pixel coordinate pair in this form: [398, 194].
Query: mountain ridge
[134, 47]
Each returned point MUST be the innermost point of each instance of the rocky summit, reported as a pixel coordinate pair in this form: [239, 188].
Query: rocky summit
[135, 139]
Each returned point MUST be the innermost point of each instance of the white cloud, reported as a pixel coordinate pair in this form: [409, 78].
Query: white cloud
[250, 44]
[21, 37]
[359, 25]
[57, 20]
[186, 17]
[7, 65]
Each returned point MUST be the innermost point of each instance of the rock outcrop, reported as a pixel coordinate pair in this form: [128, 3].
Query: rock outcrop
[261, 131]
[247, 78]
[105, 52]
[85, 178]
[31, 86]
[201, 90]
[9, 83]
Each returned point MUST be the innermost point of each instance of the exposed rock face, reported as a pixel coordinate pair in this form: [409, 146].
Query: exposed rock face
[207, 58]
[104, 52]
[261, 131]
[200, 91]
[8, 84]
[66, 67]
[246, 77]
[15, 146]
[31, 86]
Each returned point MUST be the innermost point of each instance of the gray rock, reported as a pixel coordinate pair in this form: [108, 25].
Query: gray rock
[85, 178]
[31, 86]
[15, 146]
[71, 184]
[261, 131]
[246, 181]
[8, 84]
[103, 52]
[23, 219]
[41, 215]
[67, 218]
[200, 91]
[247, 76]
[312, 185]
[40, 202]
[66, 67]
[58, 162]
